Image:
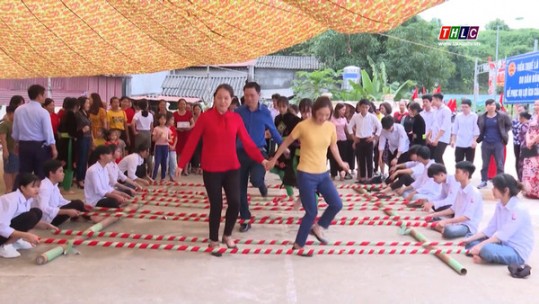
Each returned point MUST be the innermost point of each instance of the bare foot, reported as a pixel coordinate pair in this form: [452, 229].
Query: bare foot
[477, 259]
[96, 219]
[229, 242]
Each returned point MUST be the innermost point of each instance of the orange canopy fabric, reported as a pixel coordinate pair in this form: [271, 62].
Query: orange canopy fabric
[62, 38]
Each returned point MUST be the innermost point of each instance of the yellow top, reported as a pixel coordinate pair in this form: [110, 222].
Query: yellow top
[315, 140]
[116, 119]
[97, 122]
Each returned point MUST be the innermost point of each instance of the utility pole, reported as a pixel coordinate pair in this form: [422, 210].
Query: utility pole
[475, 87]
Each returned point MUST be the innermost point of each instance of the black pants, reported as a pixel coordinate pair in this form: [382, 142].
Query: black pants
[437, 152]
[402, 180]
[350, 155]
[24, 222]
[60, 219]
[32, 155]
[517, 161]
[402, 158]
[464, 154]
[334, 166]
[215, 182]
[108, 202]
[364, 154]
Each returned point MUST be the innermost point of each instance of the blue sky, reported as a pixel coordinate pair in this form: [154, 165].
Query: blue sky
[479, 12]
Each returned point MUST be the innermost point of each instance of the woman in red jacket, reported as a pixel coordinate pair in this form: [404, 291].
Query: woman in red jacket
[219, 129]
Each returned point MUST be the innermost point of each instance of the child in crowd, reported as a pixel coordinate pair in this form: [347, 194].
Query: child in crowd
[114, 139]
[467, 210]
[172, 156]
[161, 137]
[56, 209]
[17, 217]
[97, 189]
[117, 178]
[508, 238]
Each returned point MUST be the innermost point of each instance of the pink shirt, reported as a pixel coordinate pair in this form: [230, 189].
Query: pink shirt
[340, 124]
[161, 135]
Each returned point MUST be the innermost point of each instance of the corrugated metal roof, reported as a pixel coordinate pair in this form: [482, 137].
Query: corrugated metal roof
[200, 86]
[288, 62]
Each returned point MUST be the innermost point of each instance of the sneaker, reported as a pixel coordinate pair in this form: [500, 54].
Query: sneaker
[9, 252]
[22, 244]
[263, 190]
[245, 227]
[482, 185]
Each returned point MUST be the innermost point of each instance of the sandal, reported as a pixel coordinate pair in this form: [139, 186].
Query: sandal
[320, 238]
[226, 240]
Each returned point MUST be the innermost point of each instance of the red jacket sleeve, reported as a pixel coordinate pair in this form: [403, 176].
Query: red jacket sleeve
[248, 145]
[192, 141]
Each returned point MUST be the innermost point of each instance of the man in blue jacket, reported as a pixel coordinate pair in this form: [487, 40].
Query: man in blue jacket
[257, 119]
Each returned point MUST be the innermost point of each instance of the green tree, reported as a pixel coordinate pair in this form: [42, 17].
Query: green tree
[312, 84]
[494, 24]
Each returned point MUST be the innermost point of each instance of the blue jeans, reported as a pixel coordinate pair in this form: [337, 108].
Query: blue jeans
[496, 150]
[308, 185]
[497, 253]
[161, 158]
[172, 163]
[83, 152]
[257, 172]
[455, 231]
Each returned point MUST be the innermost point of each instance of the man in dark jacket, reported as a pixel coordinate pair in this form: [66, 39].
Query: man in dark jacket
[494, 127]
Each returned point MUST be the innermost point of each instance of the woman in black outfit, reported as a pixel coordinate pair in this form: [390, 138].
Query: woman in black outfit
[84, 139]
[68, 130]
[418, 126]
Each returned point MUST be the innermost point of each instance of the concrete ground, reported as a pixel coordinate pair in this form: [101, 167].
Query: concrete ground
[118, 275]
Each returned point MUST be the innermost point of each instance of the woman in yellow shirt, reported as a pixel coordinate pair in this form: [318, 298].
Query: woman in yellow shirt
[117, 119]
[316, 135]
[98, 118]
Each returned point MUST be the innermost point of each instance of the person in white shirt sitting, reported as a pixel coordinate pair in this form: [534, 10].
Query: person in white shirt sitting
[396, 138]
[467, 210]
[97, 190]
[56, 209]
[508, 238]
[133, 165]
[17, 217]
[423, 187]
[117, 179]
[450, 188]
[406, 173]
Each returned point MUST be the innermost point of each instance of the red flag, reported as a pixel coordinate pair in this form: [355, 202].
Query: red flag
[414, 95]
[501, 103]
[438, 89]
[453, 105]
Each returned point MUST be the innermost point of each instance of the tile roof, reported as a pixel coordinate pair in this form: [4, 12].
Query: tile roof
[199, 86]
[288, 62]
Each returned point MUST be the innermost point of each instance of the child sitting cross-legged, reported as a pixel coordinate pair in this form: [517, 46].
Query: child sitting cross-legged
[117, 179]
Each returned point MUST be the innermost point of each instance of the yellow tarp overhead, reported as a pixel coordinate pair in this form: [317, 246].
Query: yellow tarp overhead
[46, 38]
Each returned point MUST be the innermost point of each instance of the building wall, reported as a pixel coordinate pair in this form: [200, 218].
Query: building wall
[274, 78]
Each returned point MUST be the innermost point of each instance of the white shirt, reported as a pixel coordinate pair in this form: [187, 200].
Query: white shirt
[417, 168]
[441, 122]
[465, 128]
[512, 225]
[49, 200]
[469, 203]
[424, 177]
[96, 184]
[115, 174]
[366, 126]
[397, 139]
[130, 163]
[12, 205]
[428, 117]
[143, 123]
[448, 193]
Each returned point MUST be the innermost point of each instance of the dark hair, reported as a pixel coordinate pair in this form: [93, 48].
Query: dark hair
[282, 101]
[10, 109]
[180, 100]
[197, 105]
[25, 179]
[113, 98]
[503, 181]
[16, 100]
[101, 150]
[320, 103]
[35, 90]
[423, 152]
[51, 166]
[427, 96]
[372, 107]
[387, 106]
[338, 107]
[275, 96]
[466, 101]
[96, 103]
[159, 116]
[436, 169]
[226, 87]
[113, 148]
[47, 102]
[143, 106]
[489, 102]
[387, 122]
[466, 166]
[142, 148]
[438, 96]
[70, 103]
[305, 104]
[363, 102]
[235, 101]
[414, 106]
[413, 149]
[81, 101]
[525, 115]
[294, 107]
[251, 85]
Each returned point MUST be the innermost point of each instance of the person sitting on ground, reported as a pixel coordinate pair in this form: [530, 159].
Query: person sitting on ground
[117, 179]
[17, 217]
[508, 238]
[134, 167]
[450, 188]
[56, 209]
[406, 173]
[423, 187]
[395, 137]
[97, 190]
[467, 210]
